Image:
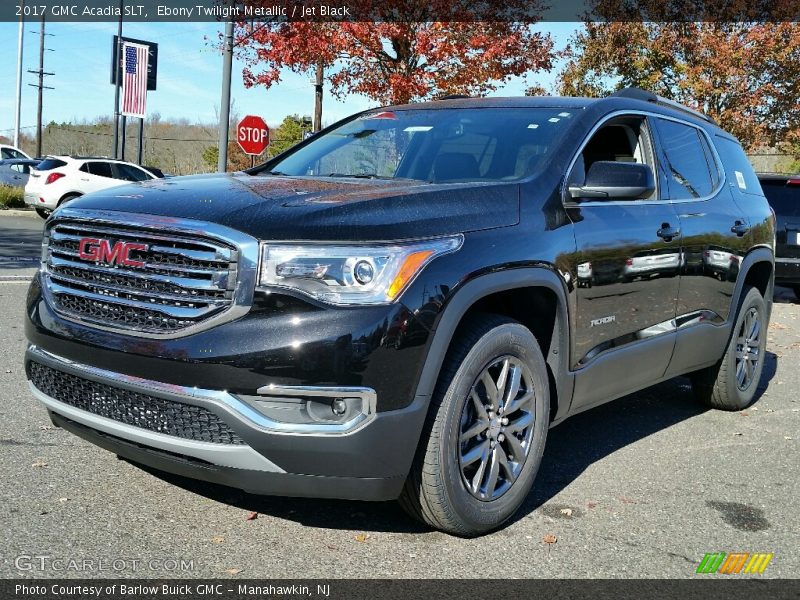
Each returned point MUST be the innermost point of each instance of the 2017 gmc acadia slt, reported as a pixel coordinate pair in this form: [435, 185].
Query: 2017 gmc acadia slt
[404, 304]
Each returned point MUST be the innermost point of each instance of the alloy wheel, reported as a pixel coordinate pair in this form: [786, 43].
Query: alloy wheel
[496, 428]
[748, 349]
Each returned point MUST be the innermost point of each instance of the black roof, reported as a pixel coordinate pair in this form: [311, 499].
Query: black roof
[619, 100]
[777, 176]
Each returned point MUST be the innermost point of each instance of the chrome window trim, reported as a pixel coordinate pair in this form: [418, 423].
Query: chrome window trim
[228, 401]
[642, 113]
[247, 267]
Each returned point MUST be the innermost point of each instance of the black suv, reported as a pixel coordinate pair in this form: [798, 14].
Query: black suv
[783, 195]
[403, 304]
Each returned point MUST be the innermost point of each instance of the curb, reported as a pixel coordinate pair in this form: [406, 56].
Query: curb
[13, 212]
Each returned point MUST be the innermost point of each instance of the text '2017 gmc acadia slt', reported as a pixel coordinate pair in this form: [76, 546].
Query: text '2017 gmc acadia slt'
[403, 304]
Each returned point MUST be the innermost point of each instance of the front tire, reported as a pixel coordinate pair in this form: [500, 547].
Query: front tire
[485, 432]
[796, 290]
[731, 384]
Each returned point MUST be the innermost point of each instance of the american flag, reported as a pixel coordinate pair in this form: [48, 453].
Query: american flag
[134, 82]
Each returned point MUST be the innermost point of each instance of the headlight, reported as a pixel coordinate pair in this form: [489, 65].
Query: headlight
[349, 274]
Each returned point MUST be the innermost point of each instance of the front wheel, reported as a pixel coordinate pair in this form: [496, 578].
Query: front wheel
[731, 384]
[486, 430]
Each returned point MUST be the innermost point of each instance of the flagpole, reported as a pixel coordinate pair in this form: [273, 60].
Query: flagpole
[117, 78]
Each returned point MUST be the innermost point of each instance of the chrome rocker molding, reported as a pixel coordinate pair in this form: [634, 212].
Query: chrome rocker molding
[247, 265]
[224, 400]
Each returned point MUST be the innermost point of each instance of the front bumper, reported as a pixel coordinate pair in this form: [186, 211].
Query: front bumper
[367, 459]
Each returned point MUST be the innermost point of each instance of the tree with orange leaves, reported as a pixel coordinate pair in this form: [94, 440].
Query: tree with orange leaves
[398, 61]
[743, 73]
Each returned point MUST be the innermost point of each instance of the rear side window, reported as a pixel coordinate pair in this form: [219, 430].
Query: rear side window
[688, 168]
[48, 164]
[129, 173]
[737, 167]
[783, 198]
[101, 169]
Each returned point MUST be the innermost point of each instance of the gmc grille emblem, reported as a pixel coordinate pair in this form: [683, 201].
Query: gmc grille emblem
[102, 251]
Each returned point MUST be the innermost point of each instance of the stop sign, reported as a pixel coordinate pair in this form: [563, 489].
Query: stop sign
[252, 134]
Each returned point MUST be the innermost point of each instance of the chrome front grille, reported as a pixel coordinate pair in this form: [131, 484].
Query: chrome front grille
[139, 279]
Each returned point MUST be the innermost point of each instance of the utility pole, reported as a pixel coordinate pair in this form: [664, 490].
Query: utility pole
[225, 102]
[318, 97]
[41, 73]
[18, 109]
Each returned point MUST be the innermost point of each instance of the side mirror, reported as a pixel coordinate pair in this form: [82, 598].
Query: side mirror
[610, 180]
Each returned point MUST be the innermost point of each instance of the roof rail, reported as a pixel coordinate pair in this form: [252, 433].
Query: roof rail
[454, 97]
[645, 96]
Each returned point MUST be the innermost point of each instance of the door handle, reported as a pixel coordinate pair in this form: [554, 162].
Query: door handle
[667, 232]
[82, 179]
[739, 228]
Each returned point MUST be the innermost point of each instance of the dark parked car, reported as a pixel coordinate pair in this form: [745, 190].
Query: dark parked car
[783, 195]
[391, 307]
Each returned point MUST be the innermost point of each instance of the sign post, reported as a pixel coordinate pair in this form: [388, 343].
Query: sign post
[147, 70]
[252, 135]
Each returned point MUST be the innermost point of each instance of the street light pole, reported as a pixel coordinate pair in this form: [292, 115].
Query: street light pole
[225, 102]
[18, 109]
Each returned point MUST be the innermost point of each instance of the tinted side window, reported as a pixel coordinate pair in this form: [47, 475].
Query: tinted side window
[129, 173]
[687, 166]
[738, 169]
[101, 169]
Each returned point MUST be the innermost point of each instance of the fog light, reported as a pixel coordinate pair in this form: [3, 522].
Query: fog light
[339, 406]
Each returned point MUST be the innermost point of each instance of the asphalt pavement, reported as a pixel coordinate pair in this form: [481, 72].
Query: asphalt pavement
[20, 243]
[641, 487]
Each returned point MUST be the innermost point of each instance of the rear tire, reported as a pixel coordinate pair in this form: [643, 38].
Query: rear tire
[43, 212]
[479, 453]
[796, 290]
[731, 384]
[68, 198]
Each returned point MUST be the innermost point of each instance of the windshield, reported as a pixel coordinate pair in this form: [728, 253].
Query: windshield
[439, 145]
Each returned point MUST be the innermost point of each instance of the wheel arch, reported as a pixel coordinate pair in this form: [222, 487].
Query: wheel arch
[539, 290]
[757, 270]
[66, 195]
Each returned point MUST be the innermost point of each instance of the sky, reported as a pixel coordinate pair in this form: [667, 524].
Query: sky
[189, 76]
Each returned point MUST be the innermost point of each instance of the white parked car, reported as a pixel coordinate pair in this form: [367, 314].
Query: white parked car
[7, 152]
[59, 179]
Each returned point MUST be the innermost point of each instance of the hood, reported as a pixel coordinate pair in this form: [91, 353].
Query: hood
[301, 208]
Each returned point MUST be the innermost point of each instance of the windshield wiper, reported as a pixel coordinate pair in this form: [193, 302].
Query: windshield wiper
[362, 176]
[278, 173]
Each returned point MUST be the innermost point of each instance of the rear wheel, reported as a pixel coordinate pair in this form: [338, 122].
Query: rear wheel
[68, 198]
[796, 290]
[731, 384]
[43, 212]
[485, 433]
